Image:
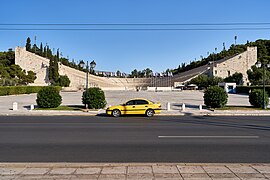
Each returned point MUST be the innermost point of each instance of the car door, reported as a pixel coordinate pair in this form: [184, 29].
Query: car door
[129, 107]
[141, 106]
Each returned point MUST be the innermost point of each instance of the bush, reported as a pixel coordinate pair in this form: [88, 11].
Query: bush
[247, 89]
[49, 97]
[63, 81]
[13, 90]
[215, 97]
[95, 98]
[256, 98]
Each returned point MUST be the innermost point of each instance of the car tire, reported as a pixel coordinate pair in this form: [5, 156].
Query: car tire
[149, 112]
[116, 113]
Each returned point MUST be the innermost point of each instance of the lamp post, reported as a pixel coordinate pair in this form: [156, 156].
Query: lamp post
[92, 66]
[258, 65]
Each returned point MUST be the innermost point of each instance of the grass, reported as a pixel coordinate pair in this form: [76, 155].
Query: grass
[64, 108]
[247, 108]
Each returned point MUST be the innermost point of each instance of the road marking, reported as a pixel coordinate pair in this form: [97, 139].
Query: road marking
[209, 137]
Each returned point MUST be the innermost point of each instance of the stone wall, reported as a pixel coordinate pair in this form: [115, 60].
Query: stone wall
[40, 65]
[30, 61]
[239, 63]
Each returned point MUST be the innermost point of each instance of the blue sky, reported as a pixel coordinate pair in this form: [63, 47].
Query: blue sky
[127, 50]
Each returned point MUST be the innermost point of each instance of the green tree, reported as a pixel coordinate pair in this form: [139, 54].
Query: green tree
[147, 72]
[45, 52]
[255, 75]
[63, 81]
[236, 78]
[41, 50]
[30, 77]
[203, 81]
[134, 73]
[118, 73]
[53, 70]
[28, 44]
[51, 73]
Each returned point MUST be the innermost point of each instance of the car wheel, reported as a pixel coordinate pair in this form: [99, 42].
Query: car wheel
[149, 113]
[116, 113]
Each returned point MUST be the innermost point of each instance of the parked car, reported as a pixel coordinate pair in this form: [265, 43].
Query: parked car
[135, 106]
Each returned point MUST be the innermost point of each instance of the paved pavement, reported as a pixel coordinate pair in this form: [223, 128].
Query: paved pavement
[134, 171]
[192, 100]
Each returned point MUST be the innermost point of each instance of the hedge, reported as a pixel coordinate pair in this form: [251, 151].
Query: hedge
[14, 90]
[247, 89]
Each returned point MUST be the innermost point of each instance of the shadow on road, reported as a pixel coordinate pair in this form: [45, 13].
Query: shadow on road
[202, 120]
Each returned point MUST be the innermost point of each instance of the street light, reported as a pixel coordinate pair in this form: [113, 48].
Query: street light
[92, 66]
[258, 65]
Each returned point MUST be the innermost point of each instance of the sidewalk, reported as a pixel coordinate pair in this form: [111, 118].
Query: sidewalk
[133, 171]
[187, 112]
[191, 99]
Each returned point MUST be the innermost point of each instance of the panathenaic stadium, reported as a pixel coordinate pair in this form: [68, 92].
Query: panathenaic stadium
[222, 68]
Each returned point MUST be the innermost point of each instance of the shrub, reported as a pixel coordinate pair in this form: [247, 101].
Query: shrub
[256, 98]
[13, 90]
[63, 81]
[215, 97]
[247, 89]
[95, 98]
[49, 97]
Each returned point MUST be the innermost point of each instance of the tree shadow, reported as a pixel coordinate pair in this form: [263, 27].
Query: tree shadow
[202, 120]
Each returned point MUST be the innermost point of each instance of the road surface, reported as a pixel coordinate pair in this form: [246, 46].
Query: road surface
[186, 139]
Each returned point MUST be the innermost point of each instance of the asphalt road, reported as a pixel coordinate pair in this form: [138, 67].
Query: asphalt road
[135, 139]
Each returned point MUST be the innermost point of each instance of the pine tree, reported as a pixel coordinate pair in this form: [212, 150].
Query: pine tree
[28, 44]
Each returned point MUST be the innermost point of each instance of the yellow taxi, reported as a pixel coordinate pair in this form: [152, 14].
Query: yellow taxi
[135, 106]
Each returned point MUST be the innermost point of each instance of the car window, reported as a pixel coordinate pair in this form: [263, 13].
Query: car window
[130, 103]
[140, 102]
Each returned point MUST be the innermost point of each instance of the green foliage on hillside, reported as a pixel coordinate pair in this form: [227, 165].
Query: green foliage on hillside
[263, 47]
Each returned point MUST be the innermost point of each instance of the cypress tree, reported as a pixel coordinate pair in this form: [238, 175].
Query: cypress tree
[51, 71]
[45, 52]
[28, 44]
[41, 50]
[57, 55]
[56, 69]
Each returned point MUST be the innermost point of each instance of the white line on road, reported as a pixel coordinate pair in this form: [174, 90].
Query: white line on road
[209, 137]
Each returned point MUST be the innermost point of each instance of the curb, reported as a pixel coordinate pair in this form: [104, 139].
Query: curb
[80, 165]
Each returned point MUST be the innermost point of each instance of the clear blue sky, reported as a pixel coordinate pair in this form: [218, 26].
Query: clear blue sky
[127, 50]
